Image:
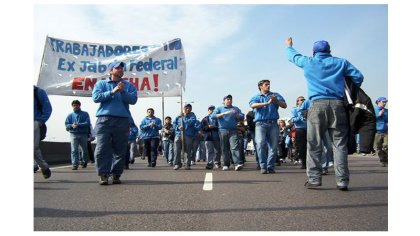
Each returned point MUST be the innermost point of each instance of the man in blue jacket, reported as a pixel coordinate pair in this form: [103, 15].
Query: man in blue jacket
[150, 127]
[42, 112]
[112, 124]
[184, 126]
[78, 123]
[381, 138]
[265, 105]
[298, 116]
[325, 77]
[228, 116]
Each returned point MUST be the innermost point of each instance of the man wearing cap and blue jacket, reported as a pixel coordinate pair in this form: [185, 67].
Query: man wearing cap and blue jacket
[381, 138]
[112, 125]
[325, 77]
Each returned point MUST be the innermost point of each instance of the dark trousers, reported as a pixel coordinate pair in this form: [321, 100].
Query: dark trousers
[301, 145]
[151, 149]
[90, 152]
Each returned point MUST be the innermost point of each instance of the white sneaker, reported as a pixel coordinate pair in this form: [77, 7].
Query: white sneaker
[225, 168]
[330, 164]
[239, 167]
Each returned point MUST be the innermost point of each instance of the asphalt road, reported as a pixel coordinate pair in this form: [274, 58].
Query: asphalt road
[161, 199]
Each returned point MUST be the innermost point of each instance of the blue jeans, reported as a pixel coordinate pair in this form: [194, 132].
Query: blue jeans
[111, 144]
[37, 151]
[267, 139]
[327, 152]
[230, 146]
[168, 150]
[327, 117]
[77, 140]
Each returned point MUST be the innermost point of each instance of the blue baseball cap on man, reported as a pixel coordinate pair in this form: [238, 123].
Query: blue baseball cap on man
[211, 107]
[116, 64]
[321, 46]
[187, 105]
[381, 99]
[227, 96]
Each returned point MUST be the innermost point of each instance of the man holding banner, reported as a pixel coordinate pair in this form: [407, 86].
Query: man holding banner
[112, 125]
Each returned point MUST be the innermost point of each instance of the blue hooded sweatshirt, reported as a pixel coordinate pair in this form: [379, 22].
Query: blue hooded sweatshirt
[325, 74]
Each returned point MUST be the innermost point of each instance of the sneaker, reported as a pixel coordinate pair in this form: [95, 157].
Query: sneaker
[330, 164]
[263, 171]
[239, 167]
[225, 168]
[309, 185]
[74, 168]
[324, 171]
[46, 173]
[103, 180]
[153, 164]
[170, 163]
[116, 179]
[176, 167]
[217, 166]
[187, 167]
[192, 162]
[342, 188]
[36, 168]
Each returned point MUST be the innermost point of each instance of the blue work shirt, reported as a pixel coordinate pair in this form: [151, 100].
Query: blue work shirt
[82, 119]
[44, 114]
[150, 131]
[114, 104]
[268, 112]
[325, 74]
[227, 122]
[188, 124]
[296, 115]
[381, 121]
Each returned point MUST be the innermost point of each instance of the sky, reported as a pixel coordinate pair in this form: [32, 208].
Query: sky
[228, 48]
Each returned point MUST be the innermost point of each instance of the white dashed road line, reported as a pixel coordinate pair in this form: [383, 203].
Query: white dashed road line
[208, 182]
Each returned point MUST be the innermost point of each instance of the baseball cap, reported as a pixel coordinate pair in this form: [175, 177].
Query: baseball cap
[381, 99]
[321, 46]
[211, 107]
[227, 96]
[116, 64]
[187, 105]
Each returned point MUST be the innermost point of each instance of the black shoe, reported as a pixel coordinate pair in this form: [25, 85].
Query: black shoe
[209, 166]
[116, 179]
[132, 161]
[103, 180]
[153, 164]
[271, 171]
[36, 168]
[324, 171]
[84, 165]
[74, 168]
[46, 173]
[312, 185]
[342, 188]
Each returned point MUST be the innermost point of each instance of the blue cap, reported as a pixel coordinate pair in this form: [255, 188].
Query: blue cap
[227, 96]
[211, 107]
[116, 64]
[187, 105]
[321, 46]
[381, 99]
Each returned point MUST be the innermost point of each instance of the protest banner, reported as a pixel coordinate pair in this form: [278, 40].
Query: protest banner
[72, 68]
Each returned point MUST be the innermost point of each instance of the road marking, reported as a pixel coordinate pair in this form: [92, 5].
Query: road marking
[60, 167]
[208, 182]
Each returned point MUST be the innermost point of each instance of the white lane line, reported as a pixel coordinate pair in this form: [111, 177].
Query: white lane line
[60, 167]
[208, 182]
